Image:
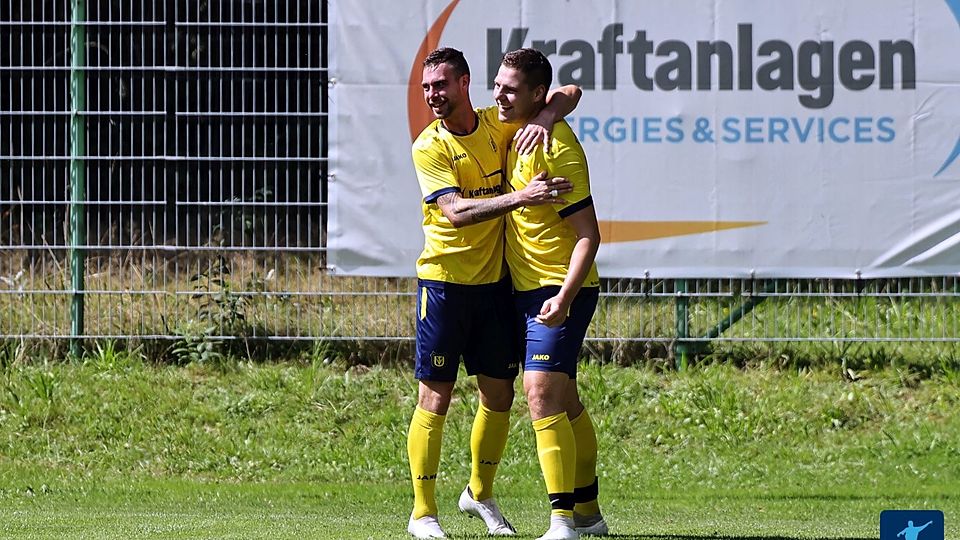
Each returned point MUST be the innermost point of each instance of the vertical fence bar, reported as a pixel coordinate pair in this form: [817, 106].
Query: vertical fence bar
[681, 347]
[78, 145]
[325, 82]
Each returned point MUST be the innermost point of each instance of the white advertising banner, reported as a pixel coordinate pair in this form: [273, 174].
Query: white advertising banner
[725, 139]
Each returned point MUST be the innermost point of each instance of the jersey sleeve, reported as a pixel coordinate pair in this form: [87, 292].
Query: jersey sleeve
[568, 160]
[434, 172]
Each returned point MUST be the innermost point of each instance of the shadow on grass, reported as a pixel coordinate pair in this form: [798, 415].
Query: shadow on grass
[935, 492]
[722, 537]
[695, 537]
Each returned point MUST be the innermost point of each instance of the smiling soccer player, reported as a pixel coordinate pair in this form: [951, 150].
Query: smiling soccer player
[551, 251]
[464, 304]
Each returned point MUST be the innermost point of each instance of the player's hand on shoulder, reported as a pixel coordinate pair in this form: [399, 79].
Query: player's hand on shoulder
[537, 131]
[543, 190]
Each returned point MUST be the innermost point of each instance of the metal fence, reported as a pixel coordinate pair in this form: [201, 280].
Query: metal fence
[163, 175]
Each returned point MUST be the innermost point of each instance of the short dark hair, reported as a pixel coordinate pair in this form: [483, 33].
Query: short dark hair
[533, 64]
[448, 55]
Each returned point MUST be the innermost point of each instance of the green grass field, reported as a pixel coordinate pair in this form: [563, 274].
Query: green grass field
[117, 447]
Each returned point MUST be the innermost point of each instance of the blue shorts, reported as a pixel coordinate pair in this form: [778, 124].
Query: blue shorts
[555, 349]
[476, 322]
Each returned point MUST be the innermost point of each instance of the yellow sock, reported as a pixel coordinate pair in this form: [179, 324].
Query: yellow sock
[585, 479]
[557, 450]
[487, 441]
[423, 449]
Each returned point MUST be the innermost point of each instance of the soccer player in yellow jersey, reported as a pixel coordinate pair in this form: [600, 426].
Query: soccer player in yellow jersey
[464, 298]
[551, 250]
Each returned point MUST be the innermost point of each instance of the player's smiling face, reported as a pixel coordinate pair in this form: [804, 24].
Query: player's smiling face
[443, 91]
[516, 101]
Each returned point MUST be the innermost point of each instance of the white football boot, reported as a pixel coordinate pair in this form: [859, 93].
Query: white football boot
[488, 511]
[561, 528]
[425, 527]
[594, 524]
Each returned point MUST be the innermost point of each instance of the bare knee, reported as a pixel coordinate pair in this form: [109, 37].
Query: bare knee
[495, 394]
[434, 396]
[546, 393]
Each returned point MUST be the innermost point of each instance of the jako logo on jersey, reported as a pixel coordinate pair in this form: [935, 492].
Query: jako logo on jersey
[458, 157]
[541, 357]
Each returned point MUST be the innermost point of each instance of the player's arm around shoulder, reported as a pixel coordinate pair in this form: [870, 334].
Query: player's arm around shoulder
[461, 211]
[560, 102]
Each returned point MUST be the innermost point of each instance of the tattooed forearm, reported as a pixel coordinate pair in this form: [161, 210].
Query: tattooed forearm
[540, 190]
[462, 211]
[484, 209]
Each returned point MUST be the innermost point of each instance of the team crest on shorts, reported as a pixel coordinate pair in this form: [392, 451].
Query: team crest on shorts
[438, 359]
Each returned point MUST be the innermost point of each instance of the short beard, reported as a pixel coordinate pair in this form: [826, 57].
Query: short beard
[445, 111]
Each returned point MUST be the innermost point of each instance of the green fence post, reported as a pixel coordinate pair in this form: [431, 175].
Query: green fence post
[681, 346]
[742, 310]
[78, 145]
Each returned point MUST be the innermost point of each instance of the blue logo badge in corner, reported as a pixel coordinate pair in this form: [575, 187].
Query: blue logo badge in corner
[911, 525]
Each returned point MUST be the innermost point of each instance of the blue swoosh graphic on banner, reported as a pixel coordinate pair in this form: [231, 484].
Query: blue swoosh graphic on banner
[950, 160]
[954, 6]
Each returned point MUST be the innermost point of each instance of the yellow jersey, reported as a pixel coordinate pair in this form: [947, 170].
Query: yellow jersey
[473, 166]
[539, 241]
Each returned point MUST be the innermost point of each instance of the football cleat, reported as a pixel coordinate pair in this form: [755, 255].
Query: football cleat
[593, 524]
[425, 527]
[486, 510]
[561, 528]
